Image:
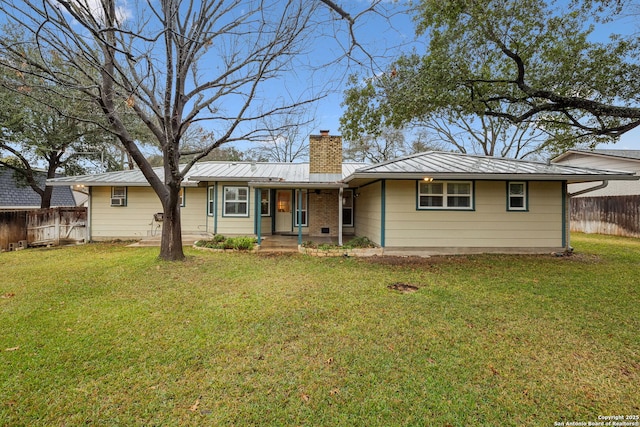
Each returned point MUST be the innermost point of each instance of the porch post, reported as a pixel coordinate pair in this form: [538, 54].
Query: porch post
[258, 211]
[299, 216]
[215, 207]
[340, 196]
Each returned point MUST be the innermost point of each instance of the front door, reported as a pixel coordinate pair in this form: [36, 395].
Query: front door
[283, 211]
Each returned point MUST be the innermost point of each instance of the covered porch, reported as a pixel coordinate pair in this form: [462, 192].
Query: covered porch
[289, 214]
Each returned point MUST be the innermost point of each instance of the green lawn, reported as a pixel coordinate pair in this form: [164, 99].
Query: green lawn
[108, 335]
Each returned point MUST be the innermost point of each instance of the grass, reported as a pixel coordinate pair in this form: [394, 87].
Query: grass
[108, 335]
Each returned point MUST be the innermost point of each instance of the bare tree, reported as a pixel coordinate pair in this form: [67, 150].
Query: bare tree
[286, 140]
[390, 144]
[176, 63]
[486, 135]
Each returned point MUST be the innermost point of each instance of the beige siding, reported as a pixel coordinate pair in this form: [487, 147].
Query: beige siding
[193, 214]
[489, 226]
[135, 220]
[368, 212]
[231, 225]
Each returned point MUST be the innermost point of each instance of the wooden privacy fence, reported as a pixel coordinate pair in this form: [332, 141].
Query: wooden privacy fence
[43, 227]
[13, 229]
[616, 215]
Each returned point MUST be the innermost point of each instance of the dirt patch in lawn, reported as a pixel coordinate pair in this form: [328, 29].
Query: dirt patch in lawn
[403, 288]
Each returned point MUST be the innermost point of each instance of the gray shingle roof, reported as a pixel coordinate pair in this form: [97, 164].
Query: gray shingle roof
[443, 165]
[626, 154]
[15, 196]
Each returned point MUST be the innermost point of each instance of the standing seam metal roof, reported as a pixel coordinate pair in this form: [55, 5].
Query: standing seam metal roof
[456, 163]
[462, 166]
[209, 171]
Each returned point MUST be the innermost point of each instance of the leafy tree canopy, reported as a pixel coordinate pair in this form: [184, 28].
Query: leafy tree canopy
[535, 64]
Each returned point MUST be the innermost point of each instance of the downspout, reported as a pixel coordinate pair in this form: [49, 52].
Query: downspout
[383, 211]
[215, 208]
[588, 190]
[258, 210]
[566, 217]
[299, 215]
[340, 195]
[89, 203]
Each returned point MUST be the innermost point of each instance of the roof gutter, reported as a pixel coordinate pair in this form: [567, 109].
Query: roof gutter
[301, 184]
[604, 184]
[495, 176]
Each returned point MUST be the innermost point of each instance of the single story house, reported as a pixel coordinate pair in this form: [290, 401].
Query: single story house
[613, 207]
[434, 202]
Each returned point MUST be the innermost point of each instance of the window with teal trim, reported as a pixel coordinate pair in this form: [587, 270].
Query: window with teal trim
[265, 203]
[456, 195]
[303, 208]
[211, 195]
[236, 201]
[347, 208]
[517, 196]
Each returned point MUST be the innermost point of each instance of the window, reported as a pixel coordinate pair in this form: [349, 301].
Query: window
[236, 201]
[265, 202]
[283, 203]
[211, 199]
[517, 196]
[457, 195]
[347, 208]
[181, 197]
[118, 196]
[303, 208]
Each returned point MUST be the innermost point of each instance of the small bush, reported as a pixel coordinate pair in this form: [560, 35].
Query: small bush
[243, 243]
[360, 242]
[356, 242]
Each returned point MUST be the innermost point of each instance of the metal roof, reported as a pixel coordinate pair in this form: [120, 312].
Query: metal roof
[209, 171]
[434, 164]
[444, 165]
[130, 178]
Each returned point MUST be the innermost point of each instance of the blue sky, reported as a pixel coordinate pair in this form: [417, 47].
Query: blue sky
[384, 39]
[400, 38]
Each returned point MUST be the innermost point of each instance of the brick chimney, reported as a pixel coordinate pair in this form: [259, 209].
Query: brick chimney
[325, 157]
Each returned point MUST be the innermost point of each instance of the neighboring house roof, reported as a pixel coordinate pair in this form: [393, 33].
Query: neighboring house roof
[444, 165]
[16, 196]
[623, 154]
[434, 164]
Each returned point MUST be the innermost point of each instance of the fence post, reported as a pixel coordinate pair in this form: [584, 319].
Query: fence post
[56, 230]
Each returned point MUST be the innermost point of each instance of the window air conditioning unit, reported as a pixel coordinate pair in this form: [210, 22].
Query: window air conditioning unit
[117, 201]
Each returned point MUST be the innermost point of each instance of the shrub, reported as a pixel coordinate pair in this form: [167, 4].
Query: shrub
[356, 242]
[243, 243]
[360, 242]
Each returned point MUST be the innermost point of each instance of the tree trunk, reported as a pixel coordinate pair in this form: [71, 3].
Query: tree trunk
[171, 245]
[45, 197]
